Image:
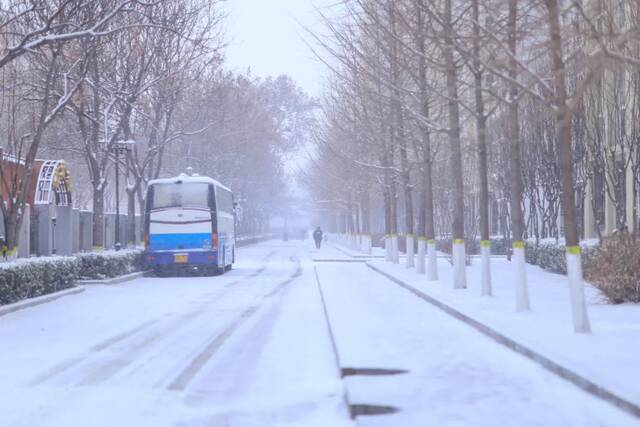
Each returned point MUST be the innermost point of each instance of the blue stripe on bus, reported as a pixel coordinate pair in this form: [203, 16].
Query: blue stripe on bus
[164, 242]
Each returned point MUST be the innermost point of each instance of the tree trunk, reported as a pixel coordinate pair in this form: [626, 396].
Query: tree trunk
[517, 216]
[459, 277]
[366, 222]
[408, 194]
[132, 238]
[481, 128]
[563, 127]
[98, 216]
[515, 163]
[12, 231]
[366, 212]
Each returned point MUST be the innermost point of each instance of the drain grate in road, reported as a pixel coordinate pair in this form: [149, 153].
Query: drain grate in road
[357, 410]
[350, 372]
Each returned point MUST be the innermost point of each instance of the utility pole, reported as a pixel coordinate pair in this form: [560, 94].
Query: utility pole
[124, 147]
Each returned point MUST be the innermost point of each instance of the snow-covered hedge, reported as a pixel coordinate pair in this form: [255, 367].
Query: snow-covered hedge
[32, 277]
[551, 254]
[498, 246]
[101, 265]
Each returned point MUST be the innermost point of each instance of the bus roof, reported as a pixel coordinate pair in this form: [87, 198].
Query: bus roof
[189, 179]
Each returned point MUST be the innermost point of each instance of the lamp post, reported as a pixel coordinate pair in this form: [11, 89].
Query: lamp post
[53, 235]
[120, 147]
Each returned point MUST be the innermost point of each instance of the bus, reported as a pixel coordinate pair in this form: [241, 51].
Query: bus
[189, 226]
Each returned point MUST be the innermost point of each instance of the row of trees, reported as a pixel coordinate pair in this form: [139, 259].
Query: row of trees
[461, 112]
[79, 77]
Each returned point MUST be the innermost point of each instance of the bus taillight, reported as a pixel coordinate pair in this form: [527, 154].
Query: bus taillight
[146, 240]
[214, 241]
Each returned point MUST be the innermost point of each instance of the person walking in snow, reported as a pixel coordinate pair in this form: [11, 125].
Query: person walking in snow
[317, 236]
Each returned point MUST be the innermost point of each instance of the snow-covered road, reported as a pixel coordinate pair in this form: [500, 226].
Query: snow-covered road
[252, 348]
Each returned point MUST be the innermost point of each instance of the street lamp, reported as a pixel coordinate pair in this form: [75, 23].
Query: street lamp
[120, 147]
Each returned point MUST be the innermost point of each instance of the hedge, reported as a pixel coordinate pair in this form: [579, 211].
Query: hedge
[551, 254]
[102, 265]
[32, 277]
[546, 253]
[498, 246]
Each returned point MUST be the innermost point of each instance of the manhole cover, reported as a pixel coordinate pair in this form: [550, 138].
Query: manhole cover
[350, 372]
[360, 409]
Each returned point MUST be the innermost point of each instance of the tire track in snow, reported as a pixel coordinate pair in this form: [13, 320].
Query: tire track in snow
[186, 376]
[111, 368]
[70, 363]
[256, 273]
[238, 375]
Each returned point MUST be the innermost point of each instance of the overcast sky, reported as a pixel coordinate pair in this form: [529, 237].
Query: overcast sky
[266, 36]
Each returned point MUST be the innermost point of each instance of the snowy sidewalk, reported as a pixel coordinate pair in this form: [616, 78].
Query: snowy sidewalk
[453, 375]
[608, 357]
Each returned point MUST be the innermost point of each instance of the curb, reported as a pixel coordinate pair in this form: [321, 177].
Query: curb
[561, 371]
[31, 302]
[334, 346]
[352, 254]
[113, 280]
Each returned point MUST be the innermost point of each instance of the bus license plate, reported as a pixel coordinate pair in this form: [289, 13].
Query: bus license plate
[181, 259]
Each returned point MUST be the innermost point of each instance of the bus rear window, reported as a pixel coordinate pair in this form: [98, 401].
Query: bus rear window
[192, 195]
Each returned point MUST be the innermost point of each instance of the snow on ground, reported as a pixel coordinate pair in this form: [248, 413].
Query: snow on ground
[250, 348]
[253, 348]
[608, 356]
[457, 377]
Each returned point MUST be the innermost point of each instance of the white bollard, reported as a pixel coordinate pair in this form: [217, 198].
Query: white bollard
[395, 252]
[485, 254]
[367, 244]
[410, 251]
[432, 262]
[459, 264]
[522, 293]
[421, 264]
[388, 256]
[581, 322]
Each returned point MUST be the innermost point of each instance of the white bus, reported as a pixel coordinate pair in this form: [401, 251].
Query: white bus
[189, 225]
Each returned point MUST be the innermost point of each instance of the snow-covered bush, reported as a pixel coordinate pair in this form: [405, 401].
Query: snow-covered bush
[614, 268]
[498, 246]
[34, 277]
[101, 265]
[28, 278]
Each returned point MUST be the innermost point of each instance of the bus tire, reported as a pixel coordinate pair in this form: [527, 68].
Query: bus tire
[211, 272]
[221, 270]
